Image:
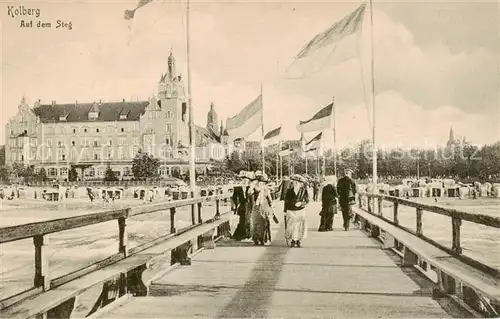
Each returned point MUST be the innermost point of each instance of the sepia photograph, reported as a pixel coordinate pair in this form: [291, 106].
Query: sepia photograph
[249, 159]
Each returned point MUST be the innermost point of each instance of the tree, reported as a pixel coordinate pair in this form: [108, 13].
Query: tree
[72, 174]
[145, 166]
[110, 175]
[234, 163]
[42, 175]
[2, 155]
[4, 173]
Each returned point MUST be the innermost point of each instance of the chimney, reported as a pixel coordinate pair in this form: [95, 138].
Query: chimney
[123, 100]
[53, 102]
[76, 103]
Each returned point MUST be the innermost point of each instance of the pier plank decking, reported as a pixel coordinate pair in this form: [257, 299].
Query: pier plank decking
[335, 274]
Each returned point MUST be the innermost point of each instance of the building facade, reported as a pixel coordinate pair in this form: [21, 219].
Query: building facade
[91, 136]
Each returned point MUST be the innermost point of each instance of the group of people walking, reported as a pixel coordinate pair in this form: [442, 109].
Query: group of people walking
[253, 199]
[342, 193]
[253, 204]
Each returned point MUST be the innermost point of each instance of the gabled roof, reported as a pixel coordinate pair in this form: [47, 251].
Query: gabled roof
[208, 132]
[108, 112]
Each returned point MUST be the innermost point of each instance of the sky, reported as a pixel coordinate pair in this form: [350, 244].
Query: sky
[436, 64]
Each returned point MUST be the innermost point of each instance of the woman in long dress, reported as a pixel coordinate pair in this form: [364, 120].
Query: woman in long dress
[295, 213]
[262, 210]
[240, 203]
[328, 204]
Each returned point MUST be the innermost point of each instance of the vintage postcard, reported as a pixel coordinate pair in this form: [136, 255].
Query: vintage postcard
[244, 159]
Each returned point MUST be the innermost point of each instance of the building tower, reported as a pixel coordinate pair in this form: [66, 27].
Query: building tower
[172, 101]
[212, 121]
[451, 138]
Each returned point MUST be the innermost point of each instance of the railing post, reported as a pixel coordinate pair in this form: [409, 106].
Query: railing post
[122, 236]
[369, 201]
[193, 221]
[380, 205]
[396, 218]
[419, 222]
[172, 220]
[455, 224]
[199, 214]
[217, 208]
[41, 262]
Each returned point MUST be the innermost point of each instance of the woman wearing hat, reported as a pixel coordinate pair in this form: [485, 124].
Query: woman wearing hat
[262, 210]
[240, 200]
[328, 204]
[295, 214]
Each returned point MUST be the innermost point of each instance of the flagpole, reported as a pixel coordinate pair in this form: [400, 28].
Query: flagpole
[323, 153]
[262, 118]
[306, 163]
[192, 142]
[334, 142]
[374, 157]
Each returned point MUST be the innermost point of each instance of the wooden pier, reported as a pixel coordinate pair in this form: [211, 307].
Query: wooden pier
[335, 274]
[377, 269]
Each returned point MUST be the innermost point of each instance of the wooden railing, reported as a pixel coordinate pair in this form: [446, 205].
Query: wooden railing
[40, 232]
[464, 278]
[456, 218]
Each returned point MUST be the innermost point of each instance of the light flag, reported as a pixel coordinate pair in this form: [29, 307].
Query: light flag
[314, 143]
[319, 122]
[272, 137]
[333, 46]
[247, 121]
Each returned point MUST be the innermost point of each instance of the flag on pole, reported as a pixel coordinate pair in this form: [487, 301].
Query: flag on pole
[272, 137]
[315, 143]
[333, 46]
[285, 152]
[129, 14]
[247, 121]
[319, 122]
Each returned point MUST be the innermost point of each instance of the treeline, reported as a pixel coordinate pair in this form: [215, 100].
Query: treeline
[459, 160]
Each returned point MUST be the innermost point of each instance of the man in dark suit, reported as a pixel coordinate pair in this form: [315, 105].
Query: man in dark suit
[346, 189]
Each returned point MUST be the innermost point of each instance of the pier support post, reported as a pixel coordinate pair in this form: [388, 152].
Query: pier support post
[419, 222]
[389, 241]
[181, 254]
[42, 278]
[199, 214]
[395, 212]
[135, 282]
[122, 236]
[374, 231]
[208, 239]
[409, 258]
[64, 310]
[456, 223]
[172, 220]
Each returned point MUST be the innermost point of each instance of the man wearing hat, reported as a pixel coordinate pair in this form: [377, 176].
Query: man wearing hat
[346, 189]
[295, 214]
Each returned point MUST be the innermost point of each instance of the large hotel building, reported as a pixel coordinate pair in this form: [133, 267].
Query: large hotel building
[91, 136]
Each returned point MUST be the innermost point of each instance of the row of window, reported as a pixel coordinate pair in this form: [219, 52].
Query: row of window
[61, 130]
[101, 171]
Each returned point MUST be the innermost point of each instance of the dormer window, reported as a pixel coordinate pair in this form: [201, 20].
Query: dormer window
[93, 115]
[62, 118]
[94, 112]
[124, 114]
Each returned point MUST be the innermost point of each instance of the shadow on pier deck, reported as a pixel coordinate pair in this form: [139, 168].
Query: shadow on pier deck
[335, 274]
